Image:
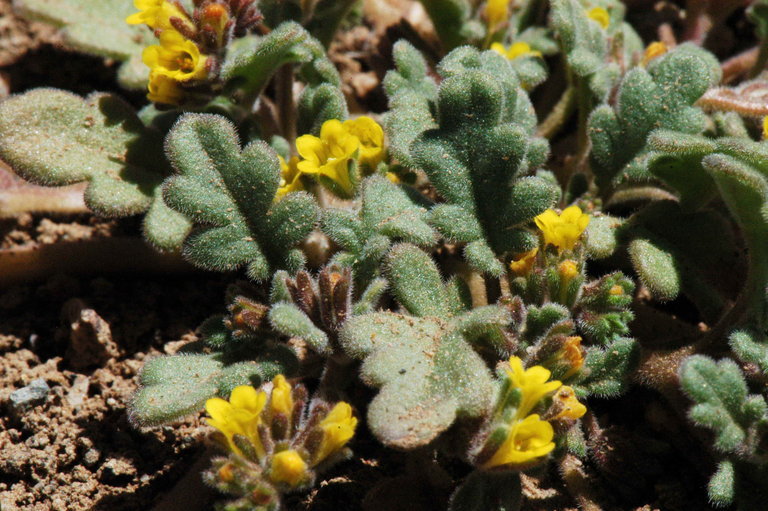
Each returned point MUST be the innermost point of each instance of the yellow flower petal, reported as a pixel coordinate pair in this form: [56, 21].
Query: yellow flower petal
[564, 230]
[338, 428]
[765, 128]
[599, 15]
[281, 400]
[532, 383]
[654, 50]
[523, 263]
[371, 137]
[331, 154]
[238, 416]
[527, 441]
[288, 467]
[496, 12]
[571, 407]
[176, 57]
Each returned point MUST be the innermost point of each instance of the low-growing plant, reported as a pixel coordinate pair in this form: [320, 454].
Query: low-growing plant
[485, 295]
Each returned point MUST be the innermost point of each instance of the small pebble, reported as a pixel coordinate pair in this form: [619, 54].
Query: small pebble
[91, 457]
[26, 397]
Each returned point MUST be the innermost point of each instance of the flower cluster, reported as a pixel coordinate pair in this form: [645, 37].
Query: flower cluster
[190, 44]
[271, 441]
[333, 157]
[520, 438]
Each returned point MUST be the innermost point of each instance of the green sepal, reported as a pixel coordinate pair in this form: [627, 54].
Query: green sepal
[289, 320]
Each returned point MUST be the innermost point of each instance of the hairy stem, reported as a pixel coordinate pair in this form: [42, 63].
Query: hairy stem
[578, 484]
[285, 102]
[559, 114]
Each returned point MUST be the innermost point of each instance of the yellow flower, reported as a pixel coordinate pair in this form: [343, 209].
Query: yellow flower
[371, 137]
[572, 354]
[156, 14]
[496, 12]
[239, 416]
[568, 270]
[599, 15]
[290, 177]
[518, 49]
[532, 382]
[523, 263]
[527, 440]
[330, 154]
[655, 49]
[164, 90]
[571, 407]
[281, 400]
[616, 290]
[176, 57]
[393, 177]
[564, 230]
[765, 128]
[338, 427]
[288, 467]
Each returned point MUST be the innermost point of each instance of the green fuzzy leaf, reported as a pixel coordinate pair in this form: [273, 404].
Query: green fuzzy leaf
[427, 372]
[289, 320]
[749, 347]
[98, 28]
[252, 60]
[722, 485]
[416, 282]
[177, 385]
[229, 194]
[606, 371]
[603, 236]
[386, 213]
[320, 104]
[478, 157]
[56, 138]
[488, 491]
[722, 403]
[656, 268]
[412, 94]
[661, 96]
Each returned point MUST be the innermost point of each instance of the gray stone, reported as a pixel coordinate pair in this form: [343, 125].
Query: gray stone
[26, 397]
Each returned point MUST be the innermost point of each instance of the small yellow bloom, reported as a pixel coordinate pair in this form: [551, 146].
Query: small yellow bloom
[523, 263]
[288, 467]
[338, 427]
[616, 290]
[371, 137]
[573, 355]
[241, 415]
[290, 177]
[518, 49]
[532, 382]
[216, 17]
[765, 128]
[496, 13]
[393, 177]
[564, 230]
[568, 270]
[329, 155]
[156, 14]
[527, 440]
[571, 407]
[176, 57]
[655, 49]
[599, 15]
[281, 400]
[164, 90]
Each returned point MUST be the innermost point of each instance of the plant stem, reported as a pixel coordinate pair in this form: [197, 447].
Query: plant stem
[559, 114]
[584, 104]
[285, 103]
[477, 289]
[762, 60]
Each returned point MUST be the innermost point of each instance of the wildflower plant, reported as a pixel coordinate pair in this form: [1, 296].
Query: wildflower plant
[445, 285]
